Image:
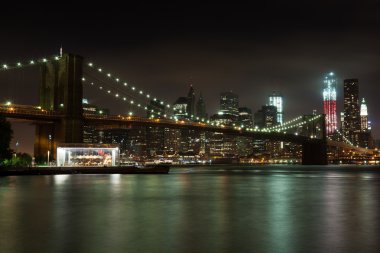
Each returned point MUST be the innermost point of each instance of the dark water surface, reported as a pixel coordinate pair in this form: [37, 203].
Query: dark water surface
[198, 209]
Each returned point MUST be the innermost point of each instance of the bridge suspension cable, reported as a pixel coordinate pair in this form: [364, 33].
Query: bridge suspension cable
[125, 84]
[30, 63]
[296, 122]
[123, 97]
[119, 91]
[341, 135]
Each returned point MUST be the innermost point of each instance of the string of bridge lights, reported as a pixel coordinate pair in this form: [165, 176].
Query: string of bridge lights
[344, 138]
[153, 113]
[125, 84]
[285, 126]
[298, 124]
[117, 95]
[119, 92]
[22, 64]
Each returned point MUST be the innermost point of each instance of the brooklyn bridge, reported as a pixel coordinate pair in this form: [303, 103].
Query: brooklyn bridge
[60, 118]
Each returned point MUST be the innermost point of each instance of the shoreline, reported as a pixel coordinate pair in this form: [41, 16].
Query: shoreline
[28, 171]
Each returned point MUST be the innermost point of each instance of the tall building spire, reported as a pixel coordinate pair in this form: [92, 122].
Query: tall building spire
[329, 103]
[363, 116]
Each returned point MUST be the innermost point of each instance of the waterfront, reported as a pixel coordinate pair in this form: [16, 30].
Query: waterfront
[195, 209]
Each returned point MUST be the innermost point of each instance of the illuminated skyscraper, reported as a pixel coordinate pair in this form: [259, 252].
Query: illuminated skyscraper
[180, 108]
[245, 117]
[363, 116]
[351, 110]
[329, 103]
[266, 116]
[276, 100]
[365, 135]
[229, 103]
[201, 108]
[191, 102]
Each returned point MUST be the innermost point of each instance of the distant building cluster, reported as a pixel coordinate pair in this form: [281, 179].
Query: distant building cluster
[191, 144]
[156, 141]
[354, 122]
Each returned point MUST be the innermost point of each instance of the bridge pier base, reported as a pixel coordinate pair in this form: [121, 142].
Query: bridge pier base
[314, 152]
[44, 143]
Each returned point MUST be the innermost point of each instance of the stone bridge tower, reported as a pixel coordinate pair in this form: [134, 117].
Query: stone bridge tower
[61, 90]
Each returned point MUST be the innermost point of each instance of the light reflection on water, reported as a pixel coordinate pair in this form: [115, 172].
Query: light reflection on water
[198, 209]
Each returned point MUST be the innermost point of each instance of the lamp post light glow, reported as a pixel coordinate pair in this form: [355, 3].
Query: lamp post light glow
[48, 153]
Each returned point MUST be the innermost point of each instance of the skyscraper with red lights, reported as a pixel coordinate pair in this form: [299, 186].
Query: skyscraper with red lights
[329, 103]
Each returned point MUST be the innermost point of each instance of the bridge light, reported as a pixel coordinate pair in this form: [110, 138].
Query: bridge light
[31, 62]
[124, 98]
[44, 60]
[90, 64]
[19, 64]
[109, 91]
[8, 103]
[117, 95]
[162, 103]
[56, 58]
[101, 88]
[154, 99]
[138, 105]
[83, 79]
[132, 102]
[109, 74]
[61, 105]
[133, 88]
[130, 113]
[5, 66]
[125, 84]
[100, 70]
[141, 92]
[117, 79]
[148, 96]
[100, 112]
[168, 106]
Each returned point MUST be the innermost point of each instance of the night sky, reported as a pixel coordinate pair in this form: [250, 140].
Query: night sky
[252, 50]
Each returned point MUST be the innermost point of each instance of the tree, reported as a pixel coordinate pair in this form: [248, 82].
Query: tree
[6, 134]
[19, 160]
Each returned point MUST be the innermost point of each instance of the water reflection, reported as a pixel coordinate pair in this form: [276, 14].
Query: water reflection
[204, 210]
[60, 179]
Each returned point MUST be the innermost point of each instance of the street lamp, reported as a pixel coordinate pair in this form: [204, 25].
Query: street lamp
[48, 153]
[16, 148]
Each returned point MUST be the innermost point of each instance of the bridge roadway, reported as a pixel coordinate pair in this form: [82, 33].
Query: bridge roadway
[35, 113]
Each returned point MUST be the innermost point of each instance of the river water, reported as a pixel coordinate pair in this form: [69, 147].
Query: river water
[195, 209]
